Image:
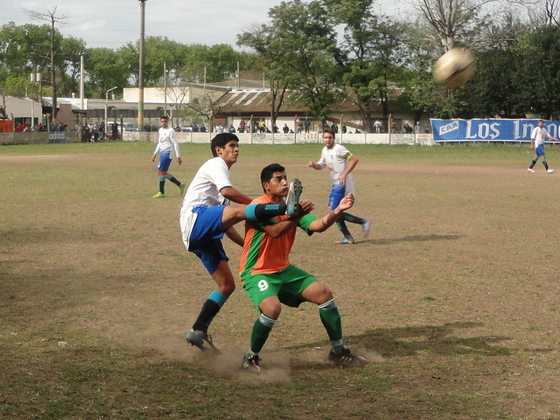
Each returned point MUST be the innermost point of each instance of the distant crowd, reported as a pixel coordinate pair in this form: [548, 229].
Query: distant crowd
[26, 128]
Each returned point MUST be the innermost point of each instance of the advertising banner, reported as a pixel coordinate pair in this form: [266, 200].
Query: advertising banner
[486, 130]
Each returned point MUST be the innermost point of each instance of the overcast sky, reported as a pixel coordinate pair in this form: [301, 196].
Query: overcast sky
[114, 23]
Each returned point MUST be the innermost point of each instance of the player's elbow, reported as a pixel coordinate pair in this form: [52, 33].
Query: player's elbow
[318, 227]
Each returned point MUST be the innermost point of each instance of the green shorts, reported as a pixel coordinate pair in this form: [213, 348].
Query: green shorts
[286, 284]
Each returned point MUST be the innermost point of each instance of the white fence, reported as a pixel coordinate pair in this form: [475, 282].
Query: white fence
[297, 138]
[244, 138]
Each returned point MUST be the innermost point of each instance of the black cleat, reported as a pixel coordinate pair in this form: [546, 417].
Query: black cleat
[292, 199]
[347, 358]
[200, 339]
[251, 363]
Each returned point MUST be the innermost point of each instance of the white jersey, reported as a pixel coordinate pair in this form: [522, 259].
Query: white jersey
[205, 187]
[539, 134]
[336, 160]
[167, 142]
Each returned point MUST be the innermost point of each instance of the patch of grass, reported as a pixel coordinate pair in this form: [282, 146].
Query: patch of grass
[445, 298]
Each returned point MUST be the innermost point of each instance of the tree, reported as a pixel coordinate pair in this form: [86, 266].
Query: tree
[453, 20]
[267, 60]
[105, 68]
[540, 72]
[300, 49]
[376, 66]
[54, 37]
[496, 87]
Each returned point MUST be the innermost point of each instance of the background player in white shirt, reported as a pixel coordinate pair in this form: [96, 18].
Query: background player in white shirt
[168, 148]
[340, 162]
[205, 217]
[538, 136]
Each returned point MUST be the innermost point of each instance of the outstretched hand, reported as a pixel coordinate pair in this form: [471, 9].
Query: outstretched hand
[346, 203]
[306, 206]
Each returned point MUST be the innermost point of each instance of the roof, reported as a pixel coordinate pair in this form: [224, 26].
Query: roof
[257, 102]
[250, 102]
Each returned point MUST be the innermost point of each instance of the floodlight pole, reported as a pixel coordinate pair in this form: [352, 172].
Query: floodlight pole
[107, 100]
[141, 67]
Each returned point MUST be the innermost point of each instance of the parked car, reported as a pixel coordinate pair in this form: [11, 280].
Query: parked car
[130, 127]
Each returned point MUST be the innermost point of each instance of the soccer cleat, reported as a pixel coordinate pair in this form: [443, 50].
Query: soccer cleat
[345, 241]
[549, 171]
[292, 199]
[530, 170]
[182, 188]
[366, 227]
[199, 339]
[251, 363]
[346, 358]
[159, 195]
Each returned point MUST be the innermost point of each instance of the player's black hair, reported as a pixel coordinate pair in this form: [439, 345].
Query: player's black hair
[164, 117]
[221, 140]
[329, 130]
[268, 172]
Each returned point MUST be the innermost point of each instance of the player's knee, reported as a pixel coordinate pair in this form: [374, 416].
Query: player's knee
[227, 289]
[271, 310]
[327, 295]
[233, 215]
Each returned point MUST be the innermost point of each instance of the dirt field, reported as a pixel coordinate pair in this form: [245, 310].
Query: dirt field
[453, 298]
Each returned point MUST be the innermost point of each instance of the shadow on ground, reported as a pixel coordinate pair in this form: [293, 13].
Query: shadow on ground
[442, 340]
[413, 238]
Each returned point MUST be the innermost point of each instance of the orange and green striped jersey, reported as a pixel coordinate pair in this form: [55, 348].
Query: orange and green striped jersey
[263, 254]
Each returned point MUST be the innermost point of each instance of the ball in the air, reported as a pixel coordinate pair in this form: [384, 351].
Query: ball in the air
[454, 68]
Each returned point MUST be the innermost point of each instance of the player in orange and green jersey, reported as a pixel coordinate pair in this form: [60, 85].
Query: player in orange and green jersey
[270, 280]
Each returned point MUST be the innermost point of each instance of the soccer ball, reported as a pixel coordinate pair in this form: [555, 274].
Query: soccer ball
[454, 68]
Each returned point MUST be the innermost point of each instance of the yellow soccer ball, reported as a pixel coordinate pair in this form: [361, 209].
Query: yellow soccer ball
[454, 68]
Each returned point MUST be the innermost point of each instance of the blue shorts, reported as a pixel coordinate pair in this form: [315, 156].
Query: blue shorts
[206, 237]
[164, 161]
[539, 151]
[337, 194]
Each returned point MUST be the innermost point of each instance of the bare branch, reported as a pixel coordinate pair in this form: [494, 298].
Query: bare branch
[47, 17]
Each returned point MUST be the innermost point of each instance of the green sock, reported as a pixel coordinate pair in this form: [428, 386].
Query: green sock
[173, 179]
[330, 317]
[533, 163]
[261, 329]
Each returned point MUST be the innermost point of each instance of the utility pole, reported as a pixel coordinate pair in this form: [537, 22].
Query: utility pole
[164, 88]
[141, 67]
[82, 81]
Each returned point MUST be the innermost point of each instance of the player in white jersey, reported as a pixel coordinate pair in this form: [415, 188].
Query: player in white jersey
[340, 162]
[168, 149]
[205, 217]
[538, 136]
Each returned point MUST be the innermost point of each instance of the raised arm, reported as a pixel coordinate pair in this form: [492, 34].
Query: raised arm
[314, 165]
[233, 195]
[279, 229]
[322, 224]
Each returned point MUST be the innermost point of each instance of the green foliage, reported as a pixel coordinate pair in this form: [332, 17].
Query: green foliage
[540, 70]
[299, 48]
[23, 49]
[106, 68]
[375, 48]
